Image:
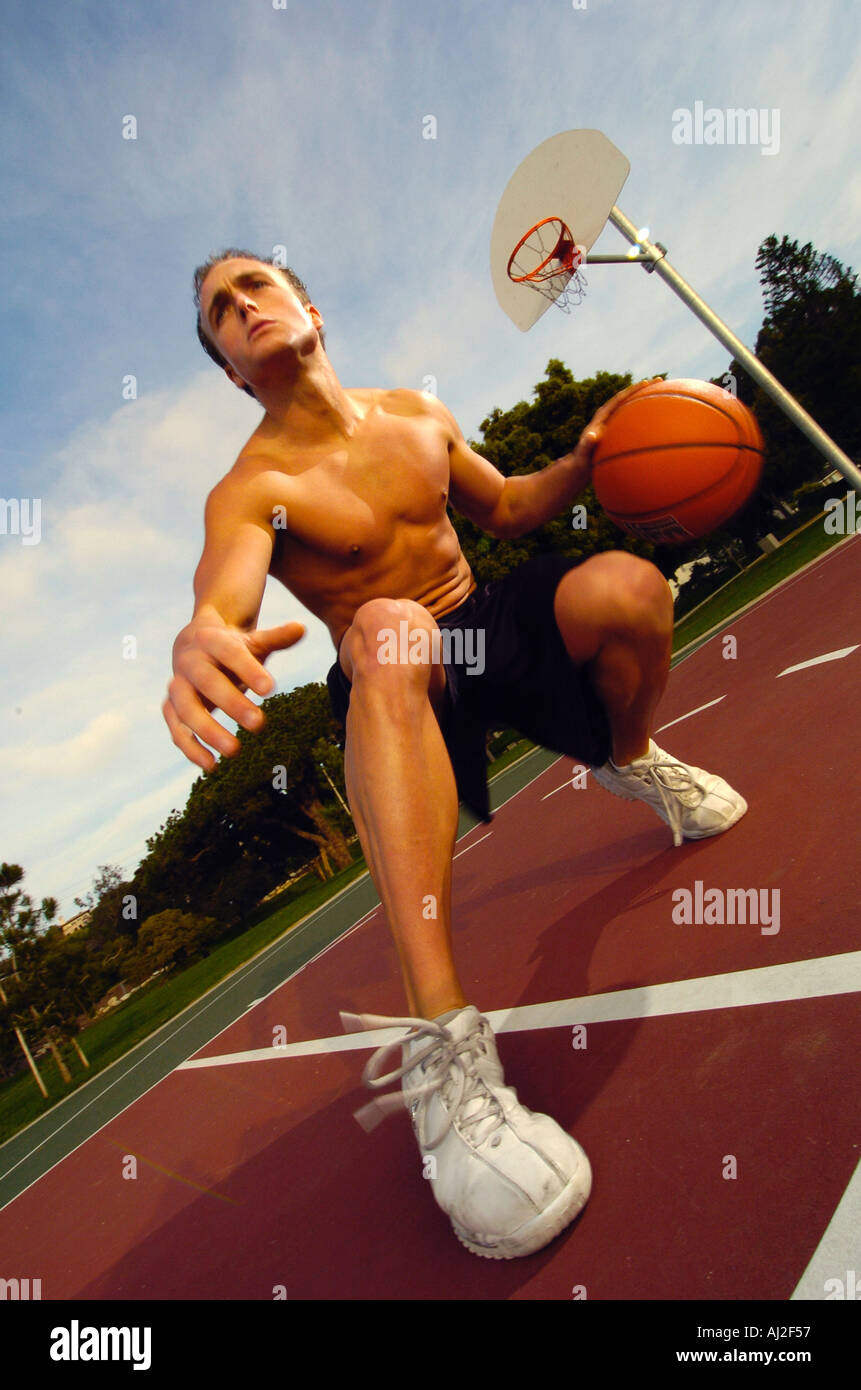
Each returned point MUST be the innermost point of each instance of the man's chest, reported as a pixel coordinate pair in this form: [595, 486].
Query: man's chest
[394, 473]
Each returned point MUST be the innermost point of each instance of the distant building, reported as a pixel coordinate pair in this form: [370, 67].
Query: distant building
[76, 923]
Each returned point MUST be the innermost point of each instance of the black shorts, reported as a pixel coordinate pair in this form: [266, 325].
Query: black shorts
[528, 682]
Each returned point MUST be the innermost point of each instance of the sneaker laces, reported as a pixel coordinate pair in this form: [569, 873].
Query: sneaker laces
[675, 784]
[452, 1067]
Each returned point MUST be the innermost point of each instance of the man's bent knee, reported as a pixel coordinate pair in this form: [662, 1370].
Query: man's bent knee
[620, 591]
[390, 642]
[612, 595]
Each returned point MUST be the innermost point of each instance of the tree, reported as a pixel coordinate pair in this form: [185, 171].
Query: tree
[168, 939]
[17, 913]
[19, 936]
[795, 280]
[252, 819]
[275, 789]
[109, 876]
[529, 437]
[810, 340]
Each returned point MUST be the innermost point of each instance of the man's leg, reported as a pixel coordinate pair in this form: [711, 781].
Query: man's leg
[403, 797]
[615, 614]
[508, 1179]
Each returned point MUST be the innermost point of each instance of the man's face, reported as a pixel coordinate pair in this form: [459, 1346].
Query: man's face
[251, 314]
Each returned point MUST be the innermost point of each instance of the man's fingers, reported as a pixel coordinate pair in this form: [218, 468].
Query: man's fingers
[602, 415]
[212, 672]
[597, 425]
[184, 739]
[221, 692]
[191, 713]
[274, 639]
[239, 668]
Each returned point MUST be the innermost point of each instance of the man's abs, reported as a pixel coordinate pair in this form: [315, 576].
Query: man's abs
[365, 517]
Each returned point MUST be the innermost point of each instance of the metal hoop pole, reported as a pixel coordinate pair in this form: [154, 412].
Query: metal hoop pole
[656, 256]
[618, 260]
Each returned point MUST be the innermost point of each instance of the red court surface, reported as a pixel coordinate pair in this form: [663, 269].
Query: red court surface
[718, 1041]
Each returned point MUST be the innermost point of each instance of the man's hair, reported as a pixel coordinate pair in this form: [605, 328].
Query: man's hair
[234, 254]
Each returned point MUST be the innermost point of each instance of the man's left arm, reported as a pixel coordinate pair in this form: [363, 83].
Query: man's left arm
[531, 499]
[510, 507]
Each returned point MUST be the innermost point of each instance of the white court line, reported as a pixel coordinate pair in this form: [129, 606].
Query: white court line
[690, 714]
[473, 845]
[802, 666]
[570, 782]
[150, 1046]
[838, 1254]
[343, 937]
[818, 660]
[769, 984]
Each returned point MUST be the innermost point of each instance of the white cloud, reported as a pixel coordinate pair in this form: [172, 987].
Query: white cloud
[85, 754]
[81, 724]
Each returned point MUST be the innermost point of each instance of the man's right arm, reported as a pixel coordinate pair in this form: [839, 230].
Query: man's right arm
[218, 654]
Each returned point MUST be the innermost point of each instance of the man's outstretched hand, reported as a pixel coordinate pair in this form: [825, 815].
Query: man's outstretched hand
[213, 665]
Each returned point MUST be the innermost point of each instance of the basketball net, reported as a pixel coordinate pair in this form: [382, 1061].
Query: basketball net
[548, 260]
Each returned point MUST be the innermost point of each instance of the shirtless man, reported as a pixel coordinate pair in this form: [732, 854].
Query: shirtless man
[359, 481]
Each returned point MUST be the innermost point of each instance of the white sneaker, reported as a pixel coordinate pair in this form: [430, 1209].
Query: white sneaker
[509, 1180]
[693, 803]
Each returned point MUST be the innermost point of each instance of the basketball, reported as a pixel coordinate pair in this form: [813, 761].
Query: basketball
[676, 460]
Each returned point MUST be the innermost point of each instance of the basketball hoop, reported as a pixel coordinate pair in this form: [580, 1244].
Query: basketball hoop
[548, 259]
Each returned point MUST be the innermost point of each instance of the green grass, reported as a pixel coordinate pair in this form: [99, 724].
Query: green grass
[510, 756]
[21, 1100]
[116, 1033]
[147, 1010]
[762, 575]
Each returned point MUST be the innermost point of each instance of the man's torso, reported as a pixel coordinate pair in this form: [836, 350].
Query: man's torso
[363, 517]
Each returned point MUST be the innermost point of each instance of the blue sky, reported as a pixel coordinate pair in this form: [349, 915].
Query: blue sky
[303, 127]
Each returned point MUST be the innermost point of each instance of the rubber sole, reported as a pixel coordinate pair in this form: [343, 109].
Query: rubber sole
[543, 1228]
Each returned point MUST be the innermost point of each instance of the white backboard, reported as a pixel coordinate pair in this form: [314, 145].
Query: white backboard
[576, 175]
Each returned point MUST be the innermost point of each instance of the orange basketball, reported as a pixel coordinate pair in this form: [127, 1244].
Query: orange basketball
[676, 460]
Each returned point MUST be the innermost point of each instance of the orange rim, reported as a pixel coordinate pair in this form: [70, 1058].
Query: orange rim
[564, 241]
